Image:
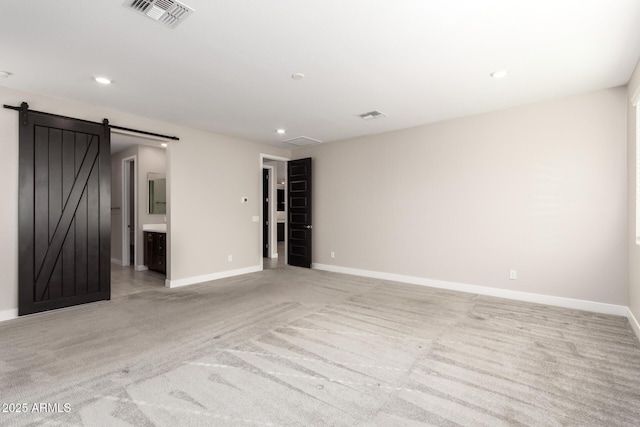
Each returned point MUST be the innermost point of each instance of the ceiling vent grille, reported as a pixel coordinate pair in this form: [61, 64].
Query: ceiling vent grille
[302, 140]
[166, 12]
[375, 114]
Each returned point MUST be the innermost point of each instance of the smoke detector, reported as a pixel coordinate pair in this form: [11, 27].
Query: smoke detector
[167, 12]
[375, 114]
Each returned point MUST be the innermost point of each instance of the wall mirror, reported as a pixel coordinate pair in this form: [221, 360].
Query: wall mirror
[157, 186]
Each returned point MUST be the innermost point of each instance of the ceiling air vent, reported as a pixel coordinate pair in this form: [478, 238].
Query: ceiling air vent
[375, 114]
[167, 12]
[302, 140]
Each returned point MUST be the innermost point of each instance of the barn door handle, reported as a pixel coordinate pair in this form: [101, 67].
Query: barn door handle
[308, 227]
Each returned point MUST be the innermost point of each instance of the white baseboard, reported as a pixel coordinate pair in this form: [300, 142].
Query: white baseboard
[141, 267]
[213, 276]
[8, 314]
[597, 307]
[116, 261]
[634, 323]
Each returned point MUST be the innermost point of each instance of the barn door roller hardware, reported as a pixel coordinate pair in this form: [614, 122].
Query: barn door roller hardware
[24, 109]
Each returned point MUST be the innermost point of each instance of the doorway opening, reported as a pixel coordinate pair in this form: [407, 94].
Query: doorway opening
[137, 163]
[129, 210]
[273, 212]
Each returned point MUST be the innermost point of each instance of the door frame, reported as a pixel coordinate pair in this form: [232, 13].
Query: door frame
[126, 244]
[273, 226]
[272, 220]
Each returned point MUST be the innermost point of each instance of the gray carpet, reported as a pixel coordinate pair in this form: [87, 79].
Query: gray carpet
[290, 346]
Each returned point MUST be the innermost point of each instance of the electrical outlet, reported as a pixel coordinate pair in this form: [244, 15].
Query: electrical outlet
[230, 258]
[513, 274]
[333, 254]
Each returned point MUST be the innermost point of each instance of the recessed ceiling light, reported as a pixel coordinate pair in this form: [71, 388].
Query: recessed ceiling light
[281, 131]
[499, 74]
[297, 76]
[164, 144]
[103, 80]
[4, 74]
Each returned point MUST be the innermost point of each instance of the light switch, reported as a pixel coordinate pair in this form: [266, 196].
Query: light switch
[255, 218]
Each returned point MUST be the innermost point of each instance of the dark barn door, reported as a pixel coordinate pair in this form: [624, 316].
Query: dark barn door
[65, 212]
[299, 212]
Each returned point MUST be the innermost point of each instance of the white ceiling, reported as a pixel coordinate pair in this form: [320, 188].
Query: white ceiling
[227, 68]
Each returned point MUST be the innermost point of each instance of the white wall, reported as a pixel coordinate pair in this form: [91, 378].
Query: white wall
[207, 181]
[633, 89]
[207, 174]
[539, 188]
[9, 210]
